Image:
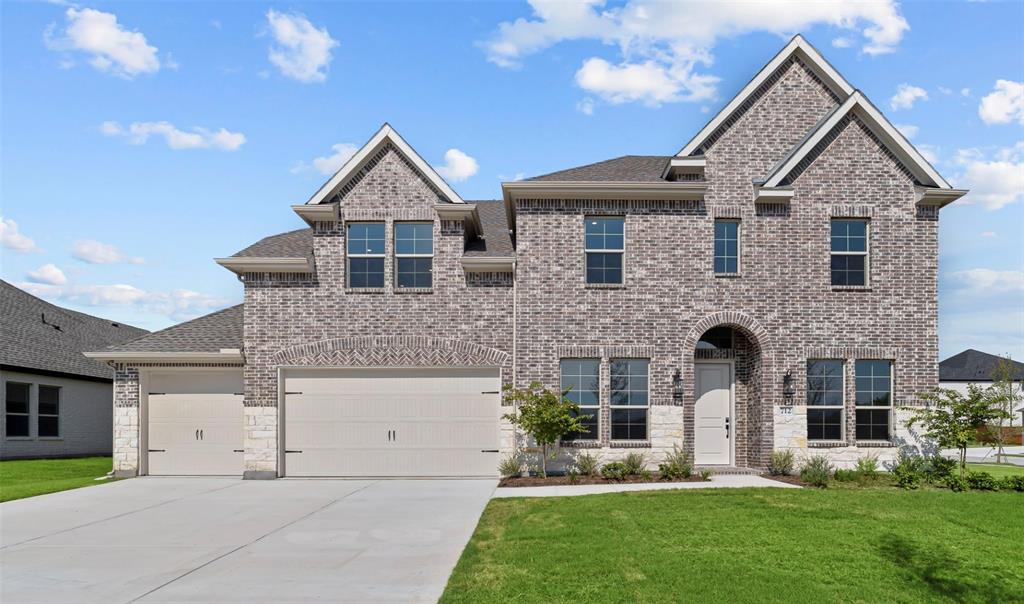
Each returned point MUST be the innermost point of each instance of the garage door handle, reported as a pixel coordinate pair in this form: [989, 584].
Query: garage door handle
[239, 451]
[291, 451]
[201, 435]
[490, 392]
[157, 450]
[293, 393]
[197, 433]
[488, 450]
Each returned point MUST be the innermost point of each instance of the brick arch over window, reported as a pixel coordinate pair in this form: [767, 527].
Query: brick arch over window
[392, 351]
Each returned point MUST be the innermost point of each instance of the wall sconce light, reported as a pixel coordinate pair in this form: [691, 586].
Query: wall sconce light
[677, 386]
[788, 392]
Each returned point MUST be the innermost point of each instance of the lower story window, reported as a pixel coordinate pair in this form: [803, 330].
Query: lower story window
[582, 378]
[824, 399]
[629, 400]
[48, 417]
[874, 400]
[16, 410]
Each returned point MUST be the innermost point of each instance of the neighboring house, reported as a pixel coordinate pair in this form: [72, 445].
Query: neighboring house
[56, 402]
[976, 367]
[771, 286]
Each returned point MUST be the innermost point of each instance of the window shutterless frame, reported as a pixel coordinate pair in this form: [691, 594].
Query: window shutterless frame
[604, 250]
[874, 399]
[826, 387]
[365, 252]
[583, 378]
[48, 411]
[630, 399]
[18, 402]
[850, 252]
[414, 254]
[727, 247]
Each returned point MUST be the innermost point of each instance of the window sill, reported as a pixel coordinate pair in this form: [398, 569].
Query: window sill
[728, 275]
[18, 438]
[366, 290]
[876, 444]
[851, 288]
[630, 444]
[581, 444]
[605, 286]
[414, 290]
[826, 444]
[50, 438]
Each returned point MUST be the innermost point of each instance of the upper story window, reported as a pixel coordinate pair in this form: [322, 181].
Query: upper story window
[629, 399]
[365, 241]
[727, 247]
[582, 377]
[605, 247]
[824, 399]
[874, 400]
[16, 410]
[414, 254]
[48, 416]
[849, 252]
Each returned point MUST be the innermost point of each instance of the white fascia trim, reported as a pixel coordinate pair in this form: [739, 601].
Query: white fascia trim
[807, 53]
[227, 355]
[603, 190]
[240, 265]
[697, 161]
[488, 264]
[882, 128]
[327, 212]
[355, 163]
[465, 212]
[938, 197]
[763, 195]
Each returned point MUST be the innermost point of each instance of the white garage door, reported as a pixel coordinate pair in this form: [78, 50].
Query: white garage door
[391, 422]
[195, 423]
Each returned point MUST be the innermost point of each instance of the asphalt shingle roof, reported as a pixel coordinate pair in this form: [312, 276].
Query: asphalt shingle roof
[974, 366]
[628, 168]
[496, 240]
[209, 333]
[35, 334]
[293, 244]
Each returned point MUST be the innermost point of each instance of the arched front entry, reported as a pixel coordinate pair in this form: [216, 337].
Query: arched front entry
[726, 372]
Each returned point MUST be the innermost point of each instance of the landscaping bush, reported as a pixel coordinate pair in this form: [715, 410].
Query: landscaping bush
[573, 476]
[615, 470]
[635, 463]
[938, 468]
[511, 465]
[705, 475]
[956, 484]
[867, 467]
[782, 463]
[587, 464]
[908, 470]
[646, 475]
[677, 465]
[1012, 483]
[982, 481]
[843, 475]
[816, 471]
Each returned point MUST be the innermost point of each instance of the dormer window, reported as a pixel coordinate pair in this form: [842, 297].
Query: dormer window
[365, 244]
[414, 254]
[605, 247]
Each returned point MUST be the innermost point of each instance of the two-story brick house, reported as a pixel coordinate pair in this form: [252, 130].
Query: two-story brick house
[773, 285]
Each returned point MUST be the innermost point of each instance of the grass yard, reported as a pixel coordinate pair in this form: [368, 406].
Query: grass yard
[31, 477]
[747, 545]
[996, 469]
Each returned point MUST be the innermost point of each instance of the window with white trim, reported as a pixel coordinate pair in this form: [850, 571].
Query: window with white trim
[17, 408]
[824, 399]
[727, 247]
[414, 254]
[874, 400]
[582, 378]
[48, 413]
[605, 247]
[365, 246]
[849, 257]
[629, 398]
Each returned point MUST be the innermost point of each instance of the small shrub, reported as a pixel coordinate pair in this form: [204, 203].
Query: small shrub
[1012, 483]
[938, 469]
[816, 471]
[587, 464]
[677, 465]
[574, 476]
[511, 465]
[908, 471]
[867, 467]
[982, 481]
[635, 463]
[843, 475]
[705, 475]
[646, 475]
[615, 470]
[782, 463]
[956, 484]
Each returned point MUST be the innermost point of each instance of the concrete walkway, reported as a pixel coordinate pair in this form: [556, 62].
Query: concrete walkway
[228, 540]
[724, 481]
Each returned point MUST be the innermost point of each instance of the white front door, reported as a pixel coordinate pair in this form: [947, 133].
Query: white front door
[712, 414]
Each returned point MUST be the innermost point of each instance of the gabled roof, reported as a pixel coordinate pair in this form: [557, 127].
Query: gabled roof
[385, 136]
[857, 104]
[975, 366]
[797, 47]
[628, 168]
[212, 333]
[37, 335]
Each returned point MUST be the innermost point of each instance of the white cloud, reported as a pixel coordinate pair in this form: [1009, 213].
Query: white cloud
[965, 92]
[199, 138]
[49, 274]
[586, 106]
[908, 130]
[945, 90]
[303, 52]
[111, 48]
[986, 280]
[12, 239]
[989, 234]
[842, 42]
[95, 252]
[930, 153]
[457, 166]
[906, 95]
[177, 304]
[995, 178]
[663, 44]
[1004, 104]
[330, 164]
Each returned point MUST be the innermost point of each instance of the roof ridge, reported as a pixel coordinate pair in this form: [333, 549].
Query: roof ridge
[175, 326]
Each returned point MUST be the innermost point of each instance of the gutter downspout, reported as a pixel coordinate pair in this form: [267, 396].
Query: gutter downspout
[515, 351]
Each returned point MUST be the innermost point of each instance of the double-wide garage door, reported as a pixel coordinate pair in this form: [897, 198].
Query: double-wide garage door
[391, 422]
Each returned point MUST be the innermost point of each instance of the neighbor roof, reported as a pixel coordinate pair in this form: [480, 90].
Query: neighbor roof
[37, 335]
[628, 168]
[975, 366]
[210, 333]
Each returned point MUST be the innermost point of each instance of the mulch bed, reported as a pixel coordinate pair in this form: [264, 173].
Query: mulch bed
[786, 479]
[550, 481]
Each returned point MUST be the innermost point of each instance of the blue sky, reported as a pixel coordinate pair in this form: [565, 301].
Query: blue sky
[140, 140]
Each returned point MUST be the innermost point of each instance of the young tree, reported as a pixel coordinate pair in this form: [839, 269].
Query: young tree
[953, 419]
[1003, 376]
[545, 415]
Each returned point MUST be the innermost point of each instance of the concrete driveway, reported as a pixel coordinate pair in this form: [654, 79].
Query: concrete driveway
[227, 540]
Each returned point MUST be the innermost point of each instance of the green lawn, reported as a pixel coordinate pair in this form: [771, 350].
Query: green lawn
[996, 469]
[31, 477]
[747, 545]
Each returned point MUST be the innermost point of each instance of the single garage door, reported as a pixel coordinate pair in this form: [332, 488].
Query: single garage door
[195, 423]
[391, 422]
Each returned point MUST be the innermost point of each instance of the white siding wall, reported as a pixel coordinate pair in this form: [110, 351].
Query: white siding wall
[86, 425]
[961, 387]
